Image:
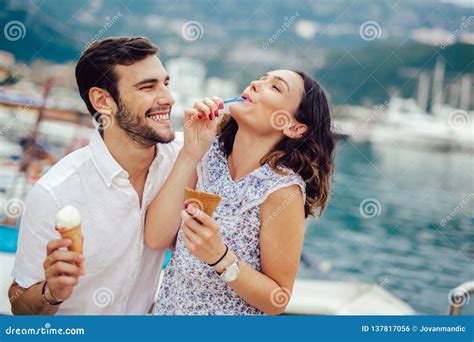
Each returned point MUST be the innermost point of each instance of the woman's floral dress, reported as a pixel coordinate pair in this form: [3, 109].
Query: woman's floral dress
[190, 286]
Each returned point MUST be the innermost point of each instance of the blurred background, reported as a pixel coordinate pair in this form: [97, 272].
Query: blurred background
[397, 236]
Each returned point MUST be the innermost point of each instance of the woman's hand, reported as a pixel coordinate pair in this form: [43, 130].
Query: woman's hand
[203, 240]
[199, 127]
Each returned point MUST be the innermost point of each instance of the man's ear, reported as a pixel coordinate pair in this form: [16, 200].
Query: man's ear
[295, 130]
[102, 102]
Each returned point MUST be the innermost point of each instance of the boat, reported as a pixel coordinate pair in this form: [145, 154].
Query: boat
[405, 124]
[446, 124]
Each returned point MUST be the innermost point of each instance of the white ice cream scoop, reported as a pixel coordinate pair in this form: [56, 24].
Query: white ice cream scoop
[68, 217]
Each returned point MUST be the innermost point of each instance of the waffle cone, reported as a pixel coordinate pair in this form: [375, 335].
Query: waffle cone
[203, 200]
[75, 235]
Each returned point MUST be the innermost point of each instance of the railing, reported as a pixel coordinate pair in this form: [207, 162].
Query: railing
[459, 297]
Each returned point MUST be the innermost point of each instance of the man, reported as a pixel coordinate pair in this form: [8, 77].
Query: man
[111, 181]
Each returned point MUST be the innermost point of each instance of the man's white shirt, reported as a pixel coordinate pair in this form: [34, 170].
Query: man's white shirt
[121, 272]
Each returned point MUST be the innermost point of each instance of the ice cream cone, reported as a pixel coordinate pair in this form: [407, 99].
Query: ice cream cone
[75, 235]
[202, 200]
[68, 224]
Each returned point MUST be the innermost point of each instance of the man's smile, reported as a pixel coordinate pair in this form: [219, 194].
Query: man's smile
[159, 116]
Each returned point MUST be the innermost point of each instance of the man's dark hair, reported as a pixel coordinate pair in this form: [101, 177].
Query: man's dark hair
[95, 66]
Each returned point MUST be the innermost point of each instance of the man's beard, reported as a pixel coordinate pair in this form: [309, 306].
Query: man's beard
[137, 129]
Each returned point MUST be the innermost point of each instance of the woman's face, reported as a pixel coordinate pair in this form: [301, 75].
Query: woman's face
[270, 103]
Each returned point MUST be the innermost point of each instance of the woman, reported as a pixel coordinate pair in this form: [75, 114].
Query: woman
[271, 163]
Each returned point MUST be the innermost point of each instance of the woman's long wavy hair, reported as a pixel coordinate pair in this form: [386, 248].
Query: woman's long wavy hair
[311, 156]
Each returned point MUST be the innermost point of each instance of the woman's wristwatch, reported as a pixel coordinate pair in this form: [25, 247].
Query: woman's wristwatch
[231, 272]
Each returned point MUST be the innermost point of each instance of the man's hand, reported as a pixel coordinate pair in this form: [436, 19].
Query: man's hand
[200, 127]
[61, 269]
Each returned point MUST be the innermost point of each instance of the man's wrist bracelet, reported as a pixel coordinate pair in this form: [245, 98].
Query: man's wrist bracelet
[44, 297]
